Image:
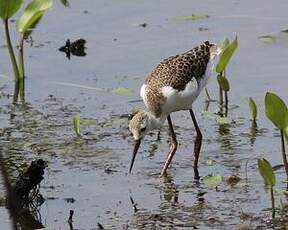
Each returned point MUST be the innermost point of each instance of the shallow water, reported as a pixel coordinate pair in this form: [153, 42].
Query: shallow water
[93, 170]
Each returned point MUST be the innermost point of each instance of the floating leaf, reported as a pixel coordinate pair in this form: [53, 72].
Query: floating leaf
[233, 179]
[253, 108]
[209, 162]
[32, 14]
[76, 124]
[276, 110]
[65, 3]
[281, 191]
[88, 122]
[223, 120]
[223, 82]
[9, 7]
[266, 172]
[168, 195]
[122, 91]
[212, 180]
[267, 38]
[226, 55]
[192, 17]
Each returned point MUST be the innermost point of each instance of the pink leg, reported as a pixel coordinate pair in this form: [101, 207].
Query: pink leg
[173, 148]
[197, 145]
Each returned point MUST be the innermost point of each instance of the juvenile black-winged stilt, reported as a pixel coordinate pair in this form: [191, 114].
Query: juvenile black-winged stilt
[172, 86]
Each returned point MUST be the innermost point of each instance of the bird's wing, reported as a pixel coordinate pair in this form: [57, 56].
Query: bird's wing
[177, 71]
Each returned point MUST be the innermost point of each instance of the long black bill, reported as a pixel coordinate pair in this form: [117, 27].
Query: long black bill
[136, 147]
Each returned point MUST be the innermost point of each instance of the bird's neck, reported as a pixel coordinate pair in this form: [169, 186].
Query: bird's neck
[156, 122]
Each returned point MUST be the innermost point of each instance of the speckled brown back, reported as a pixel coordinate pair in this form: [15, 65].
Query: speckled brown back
[176, 71]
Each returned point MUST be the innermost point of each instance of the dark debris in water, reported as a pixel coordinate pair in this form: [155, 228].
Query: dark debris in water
[76, 48]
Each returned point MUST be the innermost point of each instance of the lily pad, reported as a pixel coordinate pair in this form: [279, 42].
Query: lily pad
[90, 121]
[123, 91]
[224, 120]
[267, 39]
[233, 179]
[192, 17]
[212, 180]
[209, 162]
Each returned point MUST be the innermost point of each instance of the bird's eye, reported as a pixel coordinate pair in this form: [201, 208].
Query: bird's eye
[143, 129]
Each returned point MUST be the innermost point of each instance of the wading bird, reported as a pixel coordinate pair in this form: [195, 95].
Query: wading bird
[172, 86]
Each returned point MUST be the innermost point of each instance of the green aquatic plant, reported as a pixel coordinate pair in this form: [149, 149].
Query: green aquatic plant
[192, 17]
[253, 112]
[212, 180]
[253, 109]
[65, 3]
[276, 110]
[228, 49]
[30, 18]
[122, 91]
[76, 125]
[269, 177]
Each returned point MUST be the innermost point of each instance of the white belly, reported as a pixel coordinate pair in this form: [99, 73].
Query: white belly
[181, 100]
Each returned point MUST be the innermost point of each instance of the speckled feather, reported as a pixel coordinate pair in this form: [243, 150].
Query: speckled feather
[176, 71]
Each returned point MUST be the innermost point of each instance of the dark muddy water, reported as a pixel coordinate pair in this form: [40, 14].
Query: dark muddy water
[120, 53]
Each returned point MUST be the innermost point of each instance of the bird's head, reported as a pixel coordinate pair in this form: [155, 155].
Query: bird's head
[139, 125]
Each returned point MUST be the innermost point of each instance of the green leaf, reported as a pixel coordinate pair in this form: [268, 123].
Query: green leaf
[29, 31]
[281, 191]
[209, 162]
[253, 108]
[266, 172]
[226, 55]
[223, 82]
[76, 124]
[286, 132]
[223, 120]
[276, 110]
[168, 195]
[65, 3]
[212, 180]
[33, 12]
[267, 39]
[88, 122]
[225, 43]
[122, 91]
[192, 17]
[9, 7]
